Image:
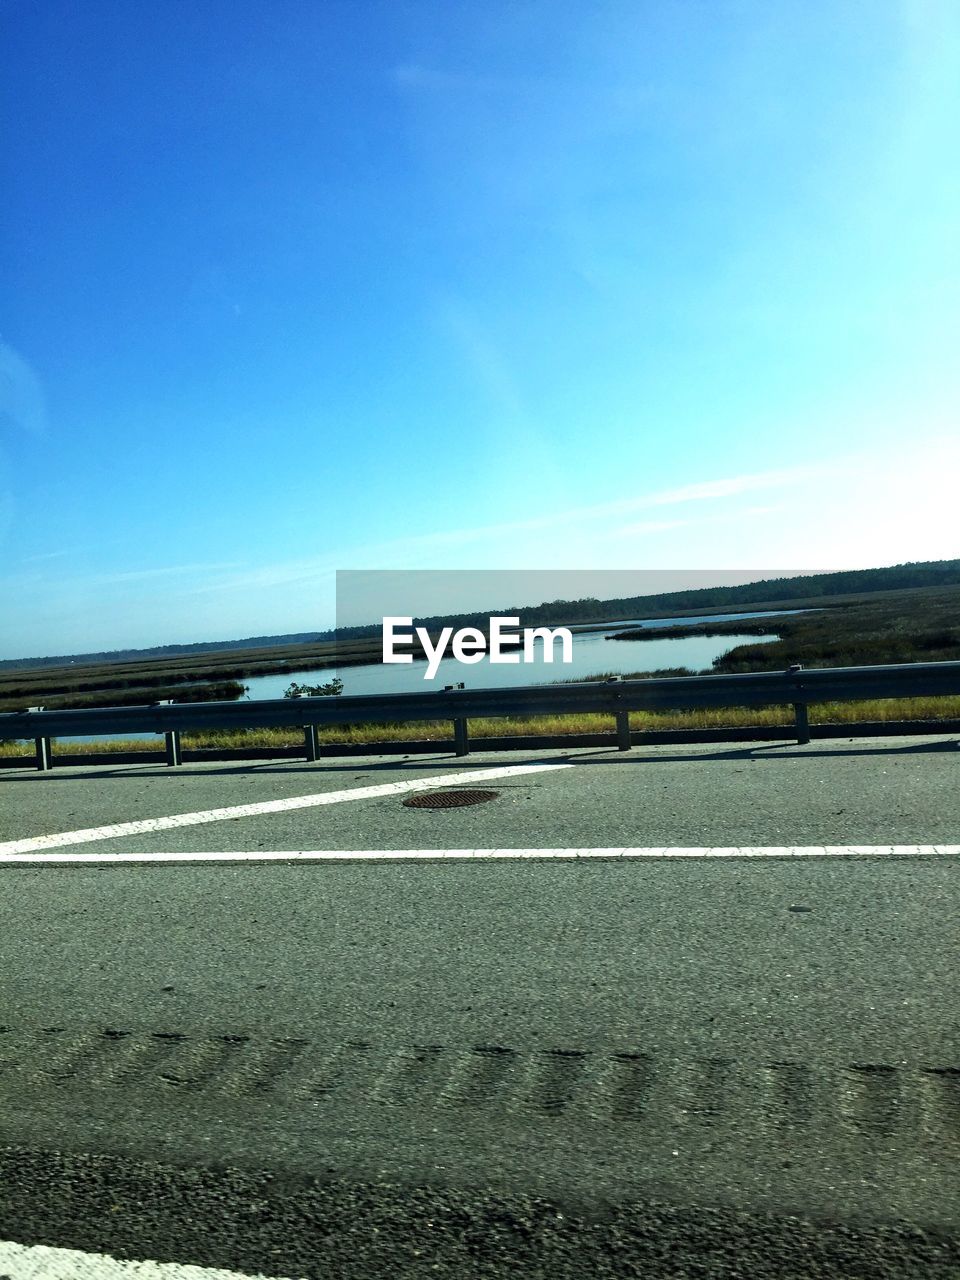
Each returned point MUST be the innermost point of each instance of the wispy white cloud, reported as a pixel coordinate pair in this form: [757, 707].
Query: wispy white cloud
[414, 76]
[410, 75]
[650, 526]
[738, 515]
[166, 571]
[22, 406]
[22, 401]
[314, 576]
[486, 360]
[295, 573]
[89, 583]
[48, 555]
[318, 572]
[703, 491]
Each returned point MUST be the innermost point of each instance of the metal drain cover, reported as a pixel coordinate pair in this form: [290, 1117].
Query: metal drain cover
[447, 799]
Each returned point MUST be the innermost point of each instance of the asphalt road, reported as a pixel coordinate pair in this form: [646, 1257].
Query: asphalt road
[881, 791]
[698, 1063]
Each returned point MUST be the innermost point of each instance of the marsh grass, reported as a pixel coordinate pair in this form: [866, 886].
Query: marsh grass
[878, 632]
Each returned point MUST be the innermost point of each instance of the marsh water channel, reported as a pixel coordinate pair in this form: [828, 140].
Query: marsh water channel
[594, 653]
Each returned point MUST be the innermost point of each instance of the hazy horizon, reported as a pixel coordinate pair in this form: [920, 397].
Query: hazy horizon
[425, 590]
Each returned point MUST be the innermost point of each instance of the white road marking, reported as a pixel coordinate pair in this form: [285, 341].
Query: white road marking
[147, 826]
[41, 1262]
[480, 855]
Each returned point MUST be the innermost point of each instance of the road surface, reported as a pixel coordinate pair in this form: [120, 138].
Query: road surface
[719, 1047]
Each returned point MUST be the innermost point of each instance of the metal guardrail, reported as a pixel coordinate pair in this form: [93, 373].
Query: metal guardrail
[796, 687]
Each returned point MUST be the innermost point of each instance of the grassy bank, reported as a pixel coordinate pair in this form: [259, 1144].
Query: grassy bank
[921, 626]
[852, 713]
[143, 682]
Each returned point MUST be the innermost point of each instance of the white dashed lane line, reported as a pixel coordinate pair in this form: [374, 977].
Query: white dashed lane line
[41, 1262]
[479, 855]
[147, 826]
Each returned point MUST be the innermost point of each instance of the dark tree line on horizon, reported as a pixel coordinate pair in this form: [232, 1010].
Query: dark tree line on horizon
[939, 573]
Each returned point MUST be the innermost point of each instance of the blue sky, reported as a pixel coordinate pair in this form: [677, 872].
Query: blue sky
[299, 287]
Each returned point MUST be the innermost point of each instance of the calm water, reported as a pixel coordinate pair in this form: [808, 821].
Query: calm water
[593, 654]
[653, 623]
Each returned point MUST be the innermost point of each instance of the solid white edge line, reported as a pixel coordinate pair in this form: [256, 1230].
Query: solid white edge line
[46, 1262]
[146, 826]
[479, 855]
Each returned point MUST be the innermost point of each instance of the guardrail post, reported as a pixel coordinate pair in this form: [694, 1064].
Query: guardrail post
[311, 743]
[171, 737]
[44, 748]
[623, 722]
[461, 741]
[802, 723]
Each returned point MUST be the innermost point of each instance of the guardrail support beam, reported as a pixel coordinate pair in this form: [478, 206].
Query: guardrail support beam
[311, 743]
[794, 687]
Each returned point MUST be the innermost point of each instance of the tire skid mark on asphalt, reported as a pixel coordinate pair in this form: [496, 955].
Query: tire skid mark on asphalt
[553, 1083]
[791, 1094]
[783, 1101]
[704, 1090]
[411, 1076]
[872, 1099]
[480, 1076]
[629, 1086]
[939, 1097]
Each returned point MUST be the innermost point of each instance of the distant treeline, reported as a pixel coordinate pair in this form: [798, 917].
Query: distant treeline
[160, 651]
[210, 691]
[937, 573]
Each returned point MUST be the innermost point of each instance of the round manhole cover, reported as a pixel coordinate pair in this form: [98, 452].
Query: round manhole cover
[447, 799]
